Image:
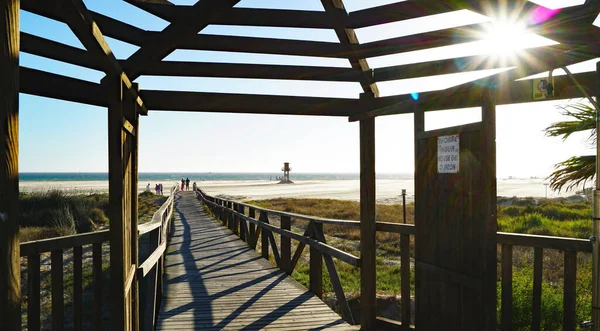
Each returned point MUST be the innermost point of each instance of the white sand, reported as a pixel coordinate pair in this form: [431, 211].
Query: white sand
[388, 191]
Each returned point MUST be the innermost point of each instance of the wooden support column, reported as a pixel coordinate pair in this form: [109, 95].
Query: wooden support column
[10, 274]
[368, 308]
[121, 152]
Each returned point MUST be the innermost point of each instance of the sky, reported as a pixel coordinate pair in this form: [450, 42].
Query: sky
[59, 136]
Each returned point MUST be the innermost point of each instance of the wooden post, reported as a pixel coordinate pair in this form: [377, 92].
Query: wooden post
[368, 309]
[286, 245]
[316, 265]
[120, 172]
[130, 113]
[10, 275]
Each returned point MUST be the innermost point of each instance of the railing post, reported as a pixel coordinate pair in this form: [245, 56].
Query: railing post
[236, 219]
[243, 227]
[507, 293]
[253, 239]
[286, 245]
[264, 236]
[10, 274]
[316, 265]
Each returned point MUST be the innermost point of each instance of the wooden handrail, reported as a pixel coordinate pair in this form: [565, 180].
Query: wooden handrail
[66, 242]
[530, 240]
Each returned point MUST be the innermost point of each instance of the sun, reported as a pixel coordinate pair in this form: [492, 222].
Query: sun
[503, 38]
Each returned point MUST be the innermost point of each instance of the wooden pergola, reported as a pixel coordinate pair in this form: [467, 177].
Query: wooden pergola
[571, 27]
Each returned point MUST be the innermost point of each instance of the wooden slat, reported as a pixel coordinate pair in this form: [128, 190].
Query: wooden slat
[286, 246]
[150, 282]
[146, 266]
[77, 288]
[300, 248]
[395, 228]
[570, 288]
[519, 239]
[58, 303]
[305, 217]
[405, 279]
[97, 287]
[252, 236]
[243, 228]
[367, 225]
[33, 292]
[536, 311]
[45, 84]
[316, 266]
[57, 51]
[260, 71]
[507, 293]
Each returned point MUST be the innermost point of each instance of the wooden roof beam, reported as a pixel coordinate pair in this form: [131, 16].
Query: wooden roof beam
[153, 51]
[87, 31]
[338, 14]
[242, 16]
[257, 71]
[49, 85]
[57, 51]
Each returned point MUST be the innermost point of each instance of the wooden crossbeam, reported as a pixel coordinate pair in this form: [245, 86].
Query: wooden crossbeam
[469, 95]
[57, 51]
[255, 104]
[87, 31]
[49, 85]
[262, 71]
[242, 16]
[201, 14]
[338, 14]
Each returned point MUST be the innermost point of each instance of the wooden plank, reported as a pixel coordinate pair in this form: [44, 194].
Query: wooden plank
[347, 37]
[89, 34]
[368, 304]
[560, 243]
[77, 288]
[33, 292]
[152, 260]
[97, 287]
[10, 276]
[286, 246]
[316, 266]
[570, 289]
[57, 51]
[45, 84]
[536, 309]
[253, 235]
[150, 282]
[405, 279]
[58, 302]
[250, 103]
[506, 318]
[256, 71]
[300, 248]
[243, 228]
[395, 228]
[163, 43]
[61, 243]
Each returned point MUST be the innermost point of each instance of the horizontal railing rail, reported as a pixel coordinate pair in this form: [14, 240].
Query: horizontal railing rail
[233, 215]
[249, 229]
[56, 247]
[150, 272]
[148, 276]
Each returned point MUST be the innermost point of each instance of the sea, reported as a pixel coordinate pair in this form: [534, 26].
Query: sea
[197, 176]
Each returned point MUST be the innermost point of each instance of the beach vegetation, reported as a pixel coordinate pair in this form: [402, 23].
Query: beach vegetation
[550, 217]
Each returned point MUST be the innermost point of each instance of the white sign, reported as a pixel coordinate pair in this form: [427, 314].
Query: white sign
[448, 154]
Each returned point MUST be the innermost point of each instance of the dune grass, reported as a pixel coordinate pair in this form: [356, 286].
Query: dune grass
[531, 216]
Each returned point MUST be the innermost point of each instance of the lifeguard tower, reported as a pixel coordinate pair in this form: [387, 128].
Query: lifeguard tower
[286, 174]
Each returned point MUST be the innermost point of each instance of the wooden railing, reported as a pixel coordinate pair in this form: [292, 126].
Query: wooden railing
[149, 273]
[56, 247]
[233, 215]
[569, 246]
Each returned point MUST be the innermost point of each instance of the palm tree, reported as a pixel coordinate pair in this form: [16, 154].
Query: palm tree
[577, 169]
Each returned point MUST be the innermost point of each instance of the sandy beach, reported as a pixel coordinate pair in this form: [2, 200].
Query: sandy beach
[388, 190]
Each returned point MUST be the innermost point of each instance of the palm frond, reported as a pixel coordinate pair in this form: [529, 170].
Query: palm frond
[584, 118]
[572, 172]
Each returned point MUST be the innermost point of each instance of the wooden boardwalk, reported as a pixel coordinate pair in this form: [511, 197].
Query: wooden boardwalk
[214, 281]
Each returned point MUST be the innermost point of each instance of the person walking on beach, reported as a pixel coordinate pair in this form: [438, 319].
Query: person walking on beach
[187, 184]
[148, 187]
[160, 188]
[182, 183]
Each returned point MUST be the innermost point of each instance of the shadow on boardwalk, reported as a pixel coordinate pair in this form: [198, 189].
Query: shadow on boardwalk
[214, 281]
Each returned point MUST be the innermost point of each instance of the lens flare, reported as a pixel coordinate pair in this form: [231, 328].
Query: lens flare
[542, 14]
[415, 96]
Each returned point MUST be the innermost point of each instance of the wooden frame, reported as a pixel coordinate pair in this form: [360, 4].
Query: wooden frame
[572, 27]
